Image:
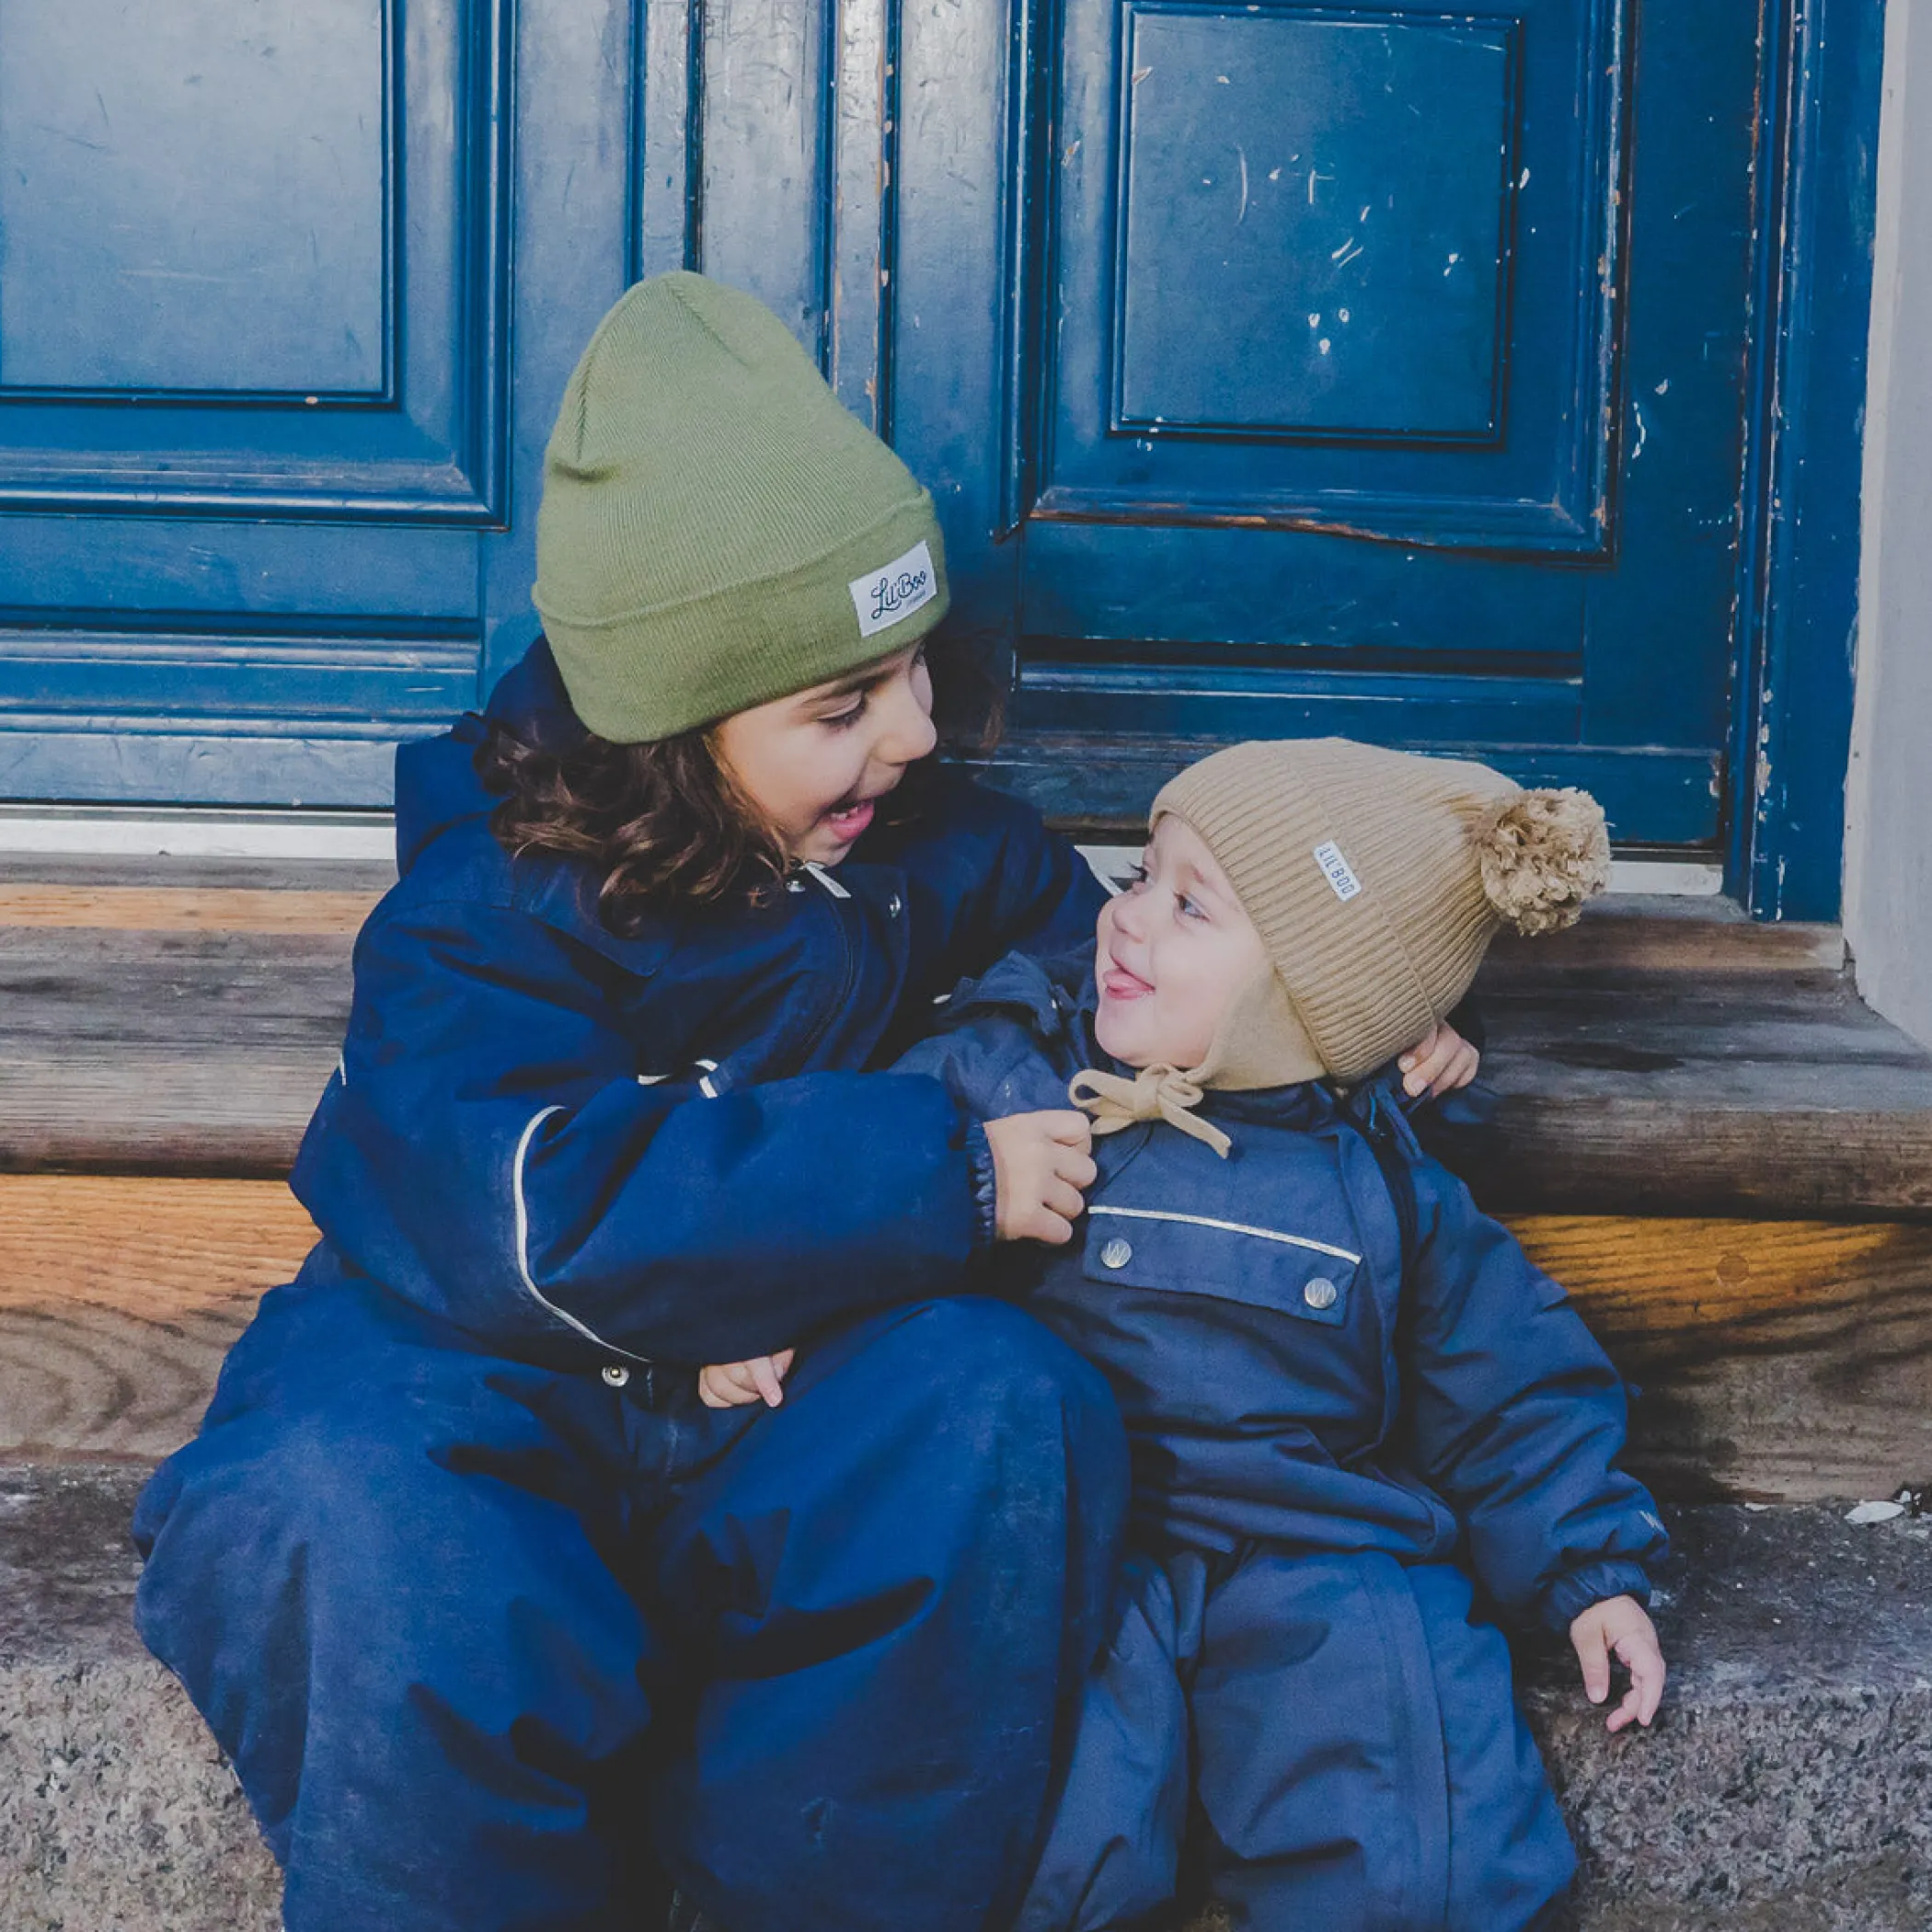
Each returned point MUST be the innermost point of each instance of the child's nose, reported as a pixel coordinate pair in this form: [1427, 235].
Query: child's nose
[1130, 913]
[906, 733]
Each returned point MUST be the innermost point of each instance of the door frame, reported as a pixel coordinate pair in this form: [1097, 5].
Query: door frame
[1798, 606]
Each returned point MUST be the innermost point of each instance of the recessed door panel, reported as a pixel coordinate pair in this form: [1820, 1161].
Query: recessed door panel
[254, 261]
[1367, 294]
[1369, 367]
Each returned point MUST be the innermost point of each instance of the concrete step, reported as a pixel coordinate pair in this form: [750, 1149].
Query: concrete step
[1788, 1783]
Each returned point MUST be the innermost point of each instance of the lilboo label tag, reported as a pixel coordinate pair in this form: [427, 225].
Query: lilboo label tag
[1335, 868]
[882, 597]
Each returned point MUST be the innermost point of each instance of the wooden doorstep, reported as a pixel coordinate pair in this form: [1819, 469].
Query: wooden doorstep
[230, 909]
[198, 1047]
[1778, 1360]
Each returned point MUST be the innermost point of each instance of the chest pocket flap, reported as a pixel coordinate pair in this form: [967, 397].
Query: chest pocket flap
[1193, 1254]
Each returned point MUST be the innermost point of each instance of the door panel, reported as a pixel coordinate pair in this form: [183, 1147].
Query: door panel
[1368, 368]
[1297, 284]
[253, 389]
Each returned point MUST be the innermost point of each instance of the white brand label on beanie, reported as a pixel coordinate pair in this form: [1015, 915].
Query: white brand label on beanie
[882, 597]
[1335, 870]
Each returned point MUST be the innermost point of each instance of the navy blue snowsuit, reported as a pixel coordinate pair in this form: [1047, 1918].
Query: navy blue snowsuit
[458, 1564]
[1352, 1443]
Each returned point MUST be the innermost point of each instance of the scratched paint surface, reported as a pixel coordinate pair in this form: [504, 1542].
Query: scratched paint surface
[1392, 381]
[1333, 192]
[189, 202]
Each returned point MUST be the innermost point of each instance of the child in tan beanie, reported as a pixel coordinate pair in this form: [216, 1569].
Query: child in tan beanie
[1365, 1425]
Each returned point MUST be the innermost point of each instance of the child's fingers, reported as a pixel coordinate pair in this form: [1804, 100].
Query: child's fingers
[719, 1389]
[1427, 1063]
[1626, 1712]
[1421, 1050]
[1587, 1635]
[1644, 1660]
[1068, 1127]
[764, 1375]
[1053, 1228]
[1060, 1197]
[783, 1361]
[1077, 1169]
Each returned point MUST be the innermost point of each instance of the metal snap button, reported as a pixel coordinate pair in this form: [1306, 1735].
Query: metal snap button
[616, 1374]
[1320, 1292]
[1117, 1253]
[895, 906]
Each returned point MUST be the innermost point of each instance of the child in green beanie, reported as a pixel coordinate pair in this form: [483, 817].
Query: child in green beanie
[491, 1611]
[1364, 1426]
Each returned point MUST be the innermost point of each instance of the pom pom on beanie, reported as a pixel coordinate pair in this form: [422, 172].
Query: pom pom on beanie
[1541, 855]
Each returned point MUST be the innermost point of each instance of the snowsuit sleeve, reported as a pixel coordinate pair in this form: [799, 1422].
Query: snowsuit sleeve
[1007, 1043]
[987, 877]
[488, 1151]
[1517, 1418]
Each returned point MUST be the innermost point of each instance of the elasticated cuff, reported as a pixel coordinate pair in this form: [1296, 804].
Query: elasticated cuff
[1574, 1593]
[985, 1178]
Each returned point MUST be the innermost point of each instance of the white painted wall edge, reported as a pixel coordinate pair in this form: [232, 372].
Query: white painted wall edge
[125, 831]
[1888, 841]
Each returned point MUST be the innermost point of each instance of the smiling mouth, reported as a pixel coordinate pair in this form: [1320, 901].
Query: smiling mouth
[1117, 983]
[846, 822]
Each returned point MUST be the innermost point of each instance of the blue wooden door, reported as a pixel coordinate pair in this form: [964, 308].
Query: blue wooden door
[1363, 368]
[1278, 367]
[265, 423]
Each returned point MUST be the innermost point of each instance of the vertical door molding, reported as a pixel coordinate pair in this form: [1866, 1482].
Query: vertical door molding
[858, 208]
[1818, 211]
[667, 136]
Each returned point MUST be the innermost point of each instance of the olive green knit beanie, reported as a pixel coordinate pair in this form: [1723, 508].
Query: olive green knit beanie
[1378, 878]
[717, 529]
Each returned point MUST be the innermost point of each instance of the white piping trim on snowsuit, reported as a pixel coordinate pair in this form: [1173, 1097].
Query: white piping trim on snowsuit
[825, 879]
[1230, 1227]
[523, 1242]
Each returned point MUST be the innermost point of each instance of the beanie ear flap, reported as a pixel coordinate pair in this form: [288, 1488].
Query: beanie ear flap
[1543, 854]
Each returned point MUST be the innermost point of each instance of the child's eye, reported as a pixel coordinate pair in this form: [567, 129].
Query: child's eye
[844, 720]
[1134, 877]
[1191, 908]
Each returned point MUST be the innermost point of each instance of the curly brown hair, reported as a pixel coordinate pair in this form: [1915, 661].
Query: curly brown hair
[663, 824]
[660, 822]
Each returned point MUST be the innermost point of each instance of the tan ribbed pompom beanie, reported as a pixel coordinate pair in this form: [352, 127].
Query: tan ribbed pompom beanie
[717, 529]
[1378, 878]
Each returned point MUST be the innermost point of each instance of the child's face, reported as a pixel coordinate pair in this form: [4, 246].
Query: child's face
[815, 763]
[1174, 951]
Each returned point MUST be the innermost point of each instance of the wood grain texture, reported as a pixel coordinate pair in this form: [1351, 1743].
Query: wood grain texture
[1781, 1361]
[1621, 1088]
[183, 909]
[1773, 1361]
[119, 1298]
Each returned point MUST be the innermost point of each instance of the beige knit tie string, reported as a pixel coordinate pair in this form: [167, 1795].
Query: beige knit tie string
[1157, 1093]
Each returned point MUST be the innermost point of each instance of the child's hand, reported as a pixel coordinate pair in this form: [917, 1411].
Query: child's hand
[1439, 1062]
[730, 1384]
[1040, 1169]
[1620, 1624]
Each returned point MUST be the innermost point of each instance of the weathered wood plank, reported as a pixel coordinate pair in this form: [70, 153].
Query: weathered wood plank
[1648, 933]
[1776, 1360]
[182, 909]
[174, 871]
[118, 1299]
[1626, 1089]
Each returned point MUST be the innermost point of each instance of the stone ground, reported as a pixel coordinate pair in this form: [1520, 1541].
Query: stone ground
[1787, 1784]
